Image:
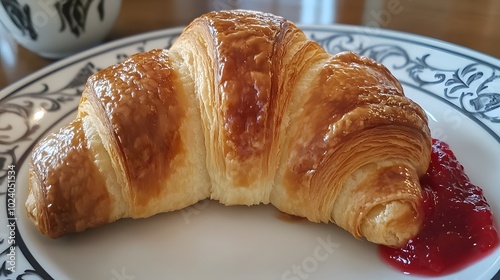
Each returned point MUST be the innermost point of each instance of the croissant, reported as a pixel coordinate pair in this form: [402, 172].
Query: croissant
[245, 110]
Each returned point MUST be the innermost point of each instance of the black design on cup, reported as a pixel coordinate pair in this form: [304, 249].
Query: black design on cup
[20, 16]
[73, 14]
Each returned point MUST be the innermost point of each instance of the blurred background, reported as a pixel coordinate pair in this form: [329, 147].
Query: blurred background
[473, 24]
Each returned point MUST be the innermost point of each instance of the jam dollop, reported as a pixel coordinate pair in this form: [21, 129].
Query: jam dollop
[458, 228]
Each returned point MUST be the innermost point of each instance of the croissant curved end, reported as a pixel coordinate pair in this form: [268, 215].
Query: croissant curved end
[388, 224]
[36, 213]
[30, 204]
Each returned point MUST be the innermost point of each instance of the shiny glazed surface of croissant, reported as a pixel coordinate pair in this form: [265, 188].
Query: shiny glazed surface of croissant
[245, 110]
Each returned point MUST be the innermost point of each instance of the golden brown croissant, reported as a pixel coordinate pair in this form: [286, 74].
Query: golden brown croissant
[242, 109]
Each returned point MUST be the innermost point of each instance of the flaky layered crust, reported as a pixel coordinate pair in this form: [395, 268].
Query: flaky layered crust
[242, 109]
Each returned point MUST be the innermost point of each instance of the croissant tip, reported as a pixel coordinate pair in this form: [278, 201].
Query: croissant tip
[388, 224]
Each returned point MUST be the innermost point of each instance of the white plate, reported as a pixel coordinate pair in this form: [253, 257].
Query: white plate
[459, 88]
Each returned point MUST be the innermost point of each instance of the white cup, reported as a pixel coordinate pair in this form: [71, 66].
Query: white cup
[58, 28]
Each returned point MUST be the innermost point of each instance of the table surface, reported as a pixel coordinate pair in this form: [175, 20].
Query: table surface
[473, 24]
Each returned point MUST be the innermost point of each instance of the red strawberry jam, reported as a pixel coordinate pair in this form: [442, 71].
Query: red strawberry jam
[458, 228]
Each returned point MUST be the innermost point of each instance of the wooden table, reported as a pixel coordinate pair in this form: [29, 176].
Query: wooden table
[473, 24]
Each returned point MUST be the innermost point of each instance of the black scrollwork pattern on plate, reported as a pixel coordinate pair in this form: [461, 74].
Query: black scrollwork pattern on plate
[472, 84]
[7, 271]
[7, 158]
[20, 113]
